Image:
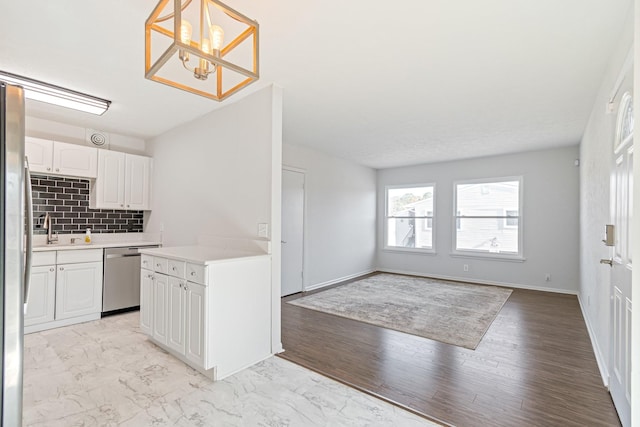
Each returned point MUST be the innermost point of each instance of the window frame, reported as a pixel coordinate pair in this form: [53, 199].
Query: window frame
[386, 217]
[470, 253]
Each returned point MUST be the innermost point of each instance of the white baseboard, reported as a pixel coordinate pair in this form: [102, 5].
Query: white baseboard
[479, 281]
[334, 281]
[600, 359]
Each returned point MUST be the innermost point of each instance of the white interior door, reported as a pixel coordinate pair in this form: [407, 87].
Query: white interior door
[621, 264]
[292, 231]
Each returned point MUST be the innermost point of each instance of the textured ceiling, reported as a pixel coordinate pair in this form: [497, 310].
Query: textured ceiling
[383, 84]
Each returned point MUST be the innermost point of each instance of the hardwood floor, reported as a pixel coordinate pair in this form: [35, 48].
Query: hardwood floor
[534, 366]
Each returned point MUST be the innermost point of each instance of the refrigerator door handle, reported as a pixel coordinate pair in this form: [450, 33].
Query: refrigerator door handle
[29, 232]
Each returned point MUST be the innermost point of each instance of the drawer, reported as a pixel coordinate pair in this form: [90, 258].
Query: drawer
[43, 258]
[79, 255]
[146, 262]
[176, 268]
[160, 265]
[196, 273]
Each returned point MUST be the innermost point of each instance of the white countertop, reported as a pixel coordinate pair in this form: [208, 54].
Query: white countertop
[201, 254]
[83, 245]
[98, 241]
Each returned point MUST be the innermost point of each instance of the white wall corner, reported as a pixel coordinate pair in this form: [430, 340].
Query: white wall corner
[338, 280]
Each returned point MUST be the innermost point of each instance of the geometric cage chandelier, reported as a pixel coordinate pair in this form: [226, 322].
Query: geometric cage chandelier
[202, 46]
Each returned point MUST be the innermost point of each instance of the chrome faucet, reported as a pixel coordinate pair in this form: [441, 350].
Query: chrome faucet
[48, 224]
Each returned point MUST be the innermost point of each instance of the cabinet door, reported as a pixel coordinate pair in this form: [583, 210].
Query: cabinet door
[109, 185]
[137, 182]
[176, 315]
[42, 293]
[78, 289]
[40, 154]
[75, 160]
[146, 301]
[196, 323]
[160, 294]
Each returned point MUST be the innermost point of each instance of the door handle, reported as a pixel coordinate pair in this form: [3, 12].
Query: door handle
[607, 261]
[282, 241]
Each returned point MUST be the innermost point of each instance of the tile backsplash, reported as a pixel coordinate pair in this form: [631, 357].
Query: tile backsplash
[67, 201]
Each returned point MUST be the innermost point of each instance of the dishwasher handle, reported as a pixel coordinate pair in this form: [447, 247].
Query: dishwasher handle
[111, 256]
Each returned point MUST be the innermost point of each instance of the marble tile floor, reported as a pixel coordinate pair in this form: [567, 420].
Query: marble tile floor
[106, 373]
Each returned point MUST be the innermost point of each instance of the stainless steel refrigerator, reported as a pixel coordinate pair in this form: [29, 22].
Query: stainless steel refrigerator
[15, 252]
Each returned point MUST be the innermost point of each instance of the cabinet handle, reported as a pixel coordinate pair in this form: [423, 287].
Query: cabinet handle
[51, 269]
[48, 169]
[122, 206]
[128, 205]
[57, 169]
[185, 287]
[180, 285]
[193, 273]
[158, 265]
[61, 268]
[173, 269]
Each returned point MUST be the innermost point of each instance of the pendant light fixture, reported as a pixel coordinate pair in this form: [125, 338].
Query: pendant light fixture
[203, 47]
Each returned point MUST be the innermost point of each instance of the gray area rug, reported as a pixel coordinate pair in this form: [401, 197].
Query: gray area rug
[450, 312]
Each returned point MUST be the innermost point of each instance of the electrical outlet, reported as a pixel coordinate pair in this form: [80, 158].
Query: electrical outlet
[465, 267]
[547, 278]
[263, 230]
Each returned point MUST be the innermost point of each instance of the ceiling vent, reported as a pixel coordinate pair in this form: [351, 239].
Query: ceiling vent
[97, 138]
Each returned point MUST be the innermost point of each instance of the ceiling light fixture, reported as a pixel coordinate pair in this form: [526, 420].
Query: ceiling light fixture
[193, 31]
[56, 95]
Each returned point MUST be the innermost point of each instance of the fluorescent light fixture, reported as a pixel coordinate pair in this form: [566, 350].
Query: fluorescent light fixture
[45, 92]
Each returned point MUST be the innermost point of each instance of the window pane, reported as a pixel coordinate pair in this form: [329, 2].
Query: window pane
[487, 235]
[488, 199]
[409, 233]
[410, 201]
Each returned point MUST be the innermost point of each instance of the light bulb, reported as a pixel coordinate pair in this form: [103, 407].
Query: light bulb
[185, 32]
[206, 46]
[216, 34]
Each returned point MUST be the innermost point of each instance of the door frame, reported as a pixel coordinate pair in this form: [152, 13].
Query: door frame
[304, 220]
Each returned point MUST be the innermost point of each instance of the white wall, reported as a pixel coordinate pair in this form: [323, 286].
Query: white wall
[596, 157]
[340, 216]
[219, 175]
[550, 220]
[212, 176]
[41, 128]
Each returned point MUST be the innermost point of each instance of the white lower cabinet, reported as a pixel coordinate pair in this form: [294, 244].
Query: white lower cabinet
[146, 302]
[78, 289]
[42, 296]
[66, 288]
[215, 317]
[195, 323]
[160, 293]
[176, 314]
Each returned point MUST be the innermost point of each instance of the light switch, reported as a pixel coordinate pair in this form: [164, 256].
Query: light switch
[263, 230]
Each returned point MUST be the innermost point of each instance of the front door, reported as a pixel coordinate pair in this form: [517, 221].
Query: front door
[621, 215]
[292, 231]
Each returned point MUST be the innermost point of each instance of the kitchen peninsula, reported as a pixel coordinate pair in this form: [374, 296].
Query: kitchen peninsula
[207, 306]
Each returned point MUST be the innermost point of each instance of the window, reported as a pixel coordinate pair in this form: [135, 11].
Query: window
[488, 217]
[409, 217]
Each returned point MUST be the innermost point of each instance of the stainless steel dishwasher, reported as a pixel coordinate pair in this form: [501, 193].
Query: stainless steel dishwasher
[121, 281]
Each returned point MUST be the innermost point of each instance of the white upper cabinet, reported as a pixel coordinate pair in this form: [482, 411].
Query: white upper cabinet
[137, 182]
[40, 154]
[109, 185]
[61, 158]
[123, 182]
[75, 160]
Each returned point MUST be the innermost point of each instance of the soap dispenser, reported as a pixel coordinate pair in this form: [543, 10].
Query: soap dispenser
[87, 236]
